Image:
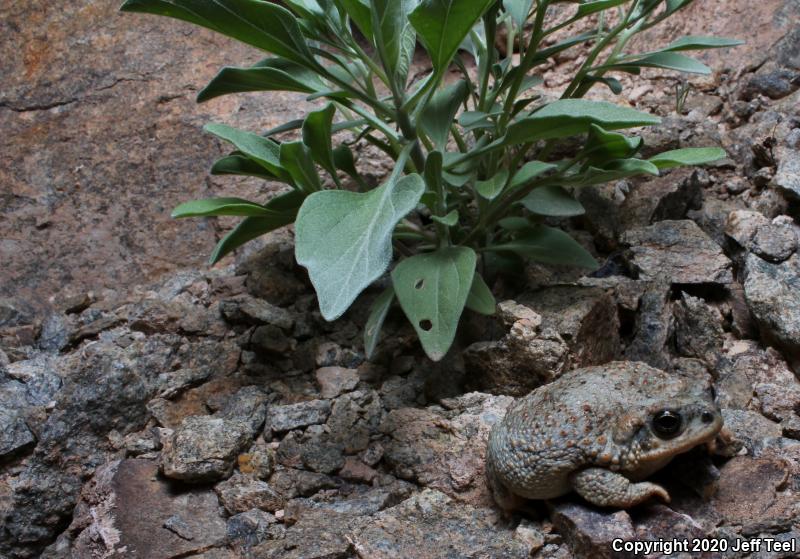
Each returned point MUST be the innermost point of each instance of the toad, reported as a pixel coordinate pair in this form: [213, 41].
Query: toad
[599, 431]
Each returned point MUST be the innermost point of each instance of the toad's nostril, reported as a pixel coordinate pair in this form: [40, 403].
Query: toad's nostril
[707, 417]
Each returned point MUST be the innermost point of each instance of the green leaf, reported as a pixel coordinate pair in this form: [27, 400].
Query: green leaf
[603, 146]
[514, 223]
[285, 209]
[518, 10]
[238, 164]
[554, 201]
[450, 219]
[438, 115]
[219, 206]
[666, 61]
[443, 24]
[551, 246]
[612, 171]
[269, 75]
[432, 289]
[491, 188]
[263, 151]
[359, 11]
[394, 36]
[317, 132]
[344, 161]
[261, 24]
[568, 117]
[474, 120]
[345, 238]
[480, 298]
[296, 158]
[530, 171]
[695, 42]
[612, 83]
[377, 315]
[687, 156]
[588, 8]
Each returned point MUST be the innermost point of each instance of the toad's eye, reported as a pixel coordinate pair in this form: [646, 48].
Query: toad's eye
[667, 424]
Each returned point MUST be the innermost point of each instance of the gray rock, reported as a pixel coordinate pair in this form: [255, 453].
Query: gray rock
[771, 291]
[248, 405]
[778, 402]
[652, 329]
[271, 339]
[241, 493]
[523, 359]
[252, 527]
[677, 252]
[787, 177]
[775, 83]
[127, 511]
[757, 234]
[335, 380]
[667, 197]
[15, 435]
[321, 454]
[585, 318]
[749, 428]
[250, 310]
[698, 329]
[290, 482]
[588, 532]
[203, 448]
[432, 521]
[294, 416]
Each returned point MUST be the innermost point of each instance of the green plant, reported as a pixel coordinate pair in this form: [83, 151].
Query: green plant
[474, 176]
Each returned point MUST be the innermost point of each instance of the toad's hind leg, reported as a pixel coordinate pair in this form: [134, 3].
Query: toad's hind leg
[609, 489]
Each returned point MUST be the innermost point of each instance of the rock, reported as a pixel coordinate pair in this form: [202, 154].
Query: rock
[270, 274]
[749, 428]
[248, 405]
[127, 511]
[294, 416]
[778, 402]
[667, 197]
[271, 339]
[698, 329]
[252, 527]
[712, 217]
[335, 380]
[660, 523]
[590, 533]
[241, 493]
[354, 419]
[430, 521]
[15, 436]
[258, 461]
[249, 310]
[318, 534]
[773, 82]
[586, 318]
[523, 359]
[448, 455]
[745, 365]
[290, 482]
[528, 534]
[356, 470]
[652, 329]
[787, 176]
[771, 291]
[321, 454]
[678, 252]
[757, 234]
[203, 448]
[751, 494]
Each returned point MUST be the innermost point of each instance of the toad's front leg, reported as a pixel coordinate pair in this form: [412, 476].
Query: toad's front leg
[610, 489]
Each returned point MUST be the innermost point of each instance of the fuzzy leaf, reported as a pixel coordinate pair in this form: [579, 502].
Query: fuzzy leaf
[377, 315]
[551, 246]
[269, 75]
[553, 201]
[480, 299]
[432, 289]
[687, 156]
[345, 238]
[219, 206]
[263, 151]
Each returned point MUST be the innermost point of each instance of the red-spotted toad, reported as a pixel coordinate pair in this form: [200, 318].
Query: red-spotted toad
[599, 431]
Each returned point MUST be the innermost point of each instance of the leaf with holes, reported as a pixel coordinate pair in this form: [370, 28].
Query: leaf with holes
[432, 289]
[345, 238]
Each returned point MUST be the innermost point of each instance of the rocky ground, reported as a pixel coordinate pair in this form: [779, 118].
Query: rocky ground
[214, 414]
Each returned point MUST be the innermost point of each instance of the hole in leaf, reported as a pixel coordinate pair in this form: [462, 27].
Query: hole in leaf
[420, 284]
[426, 325]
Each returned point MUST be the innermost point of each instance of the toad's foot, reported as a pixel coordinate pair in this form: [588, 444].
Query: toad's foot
[610, 489]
